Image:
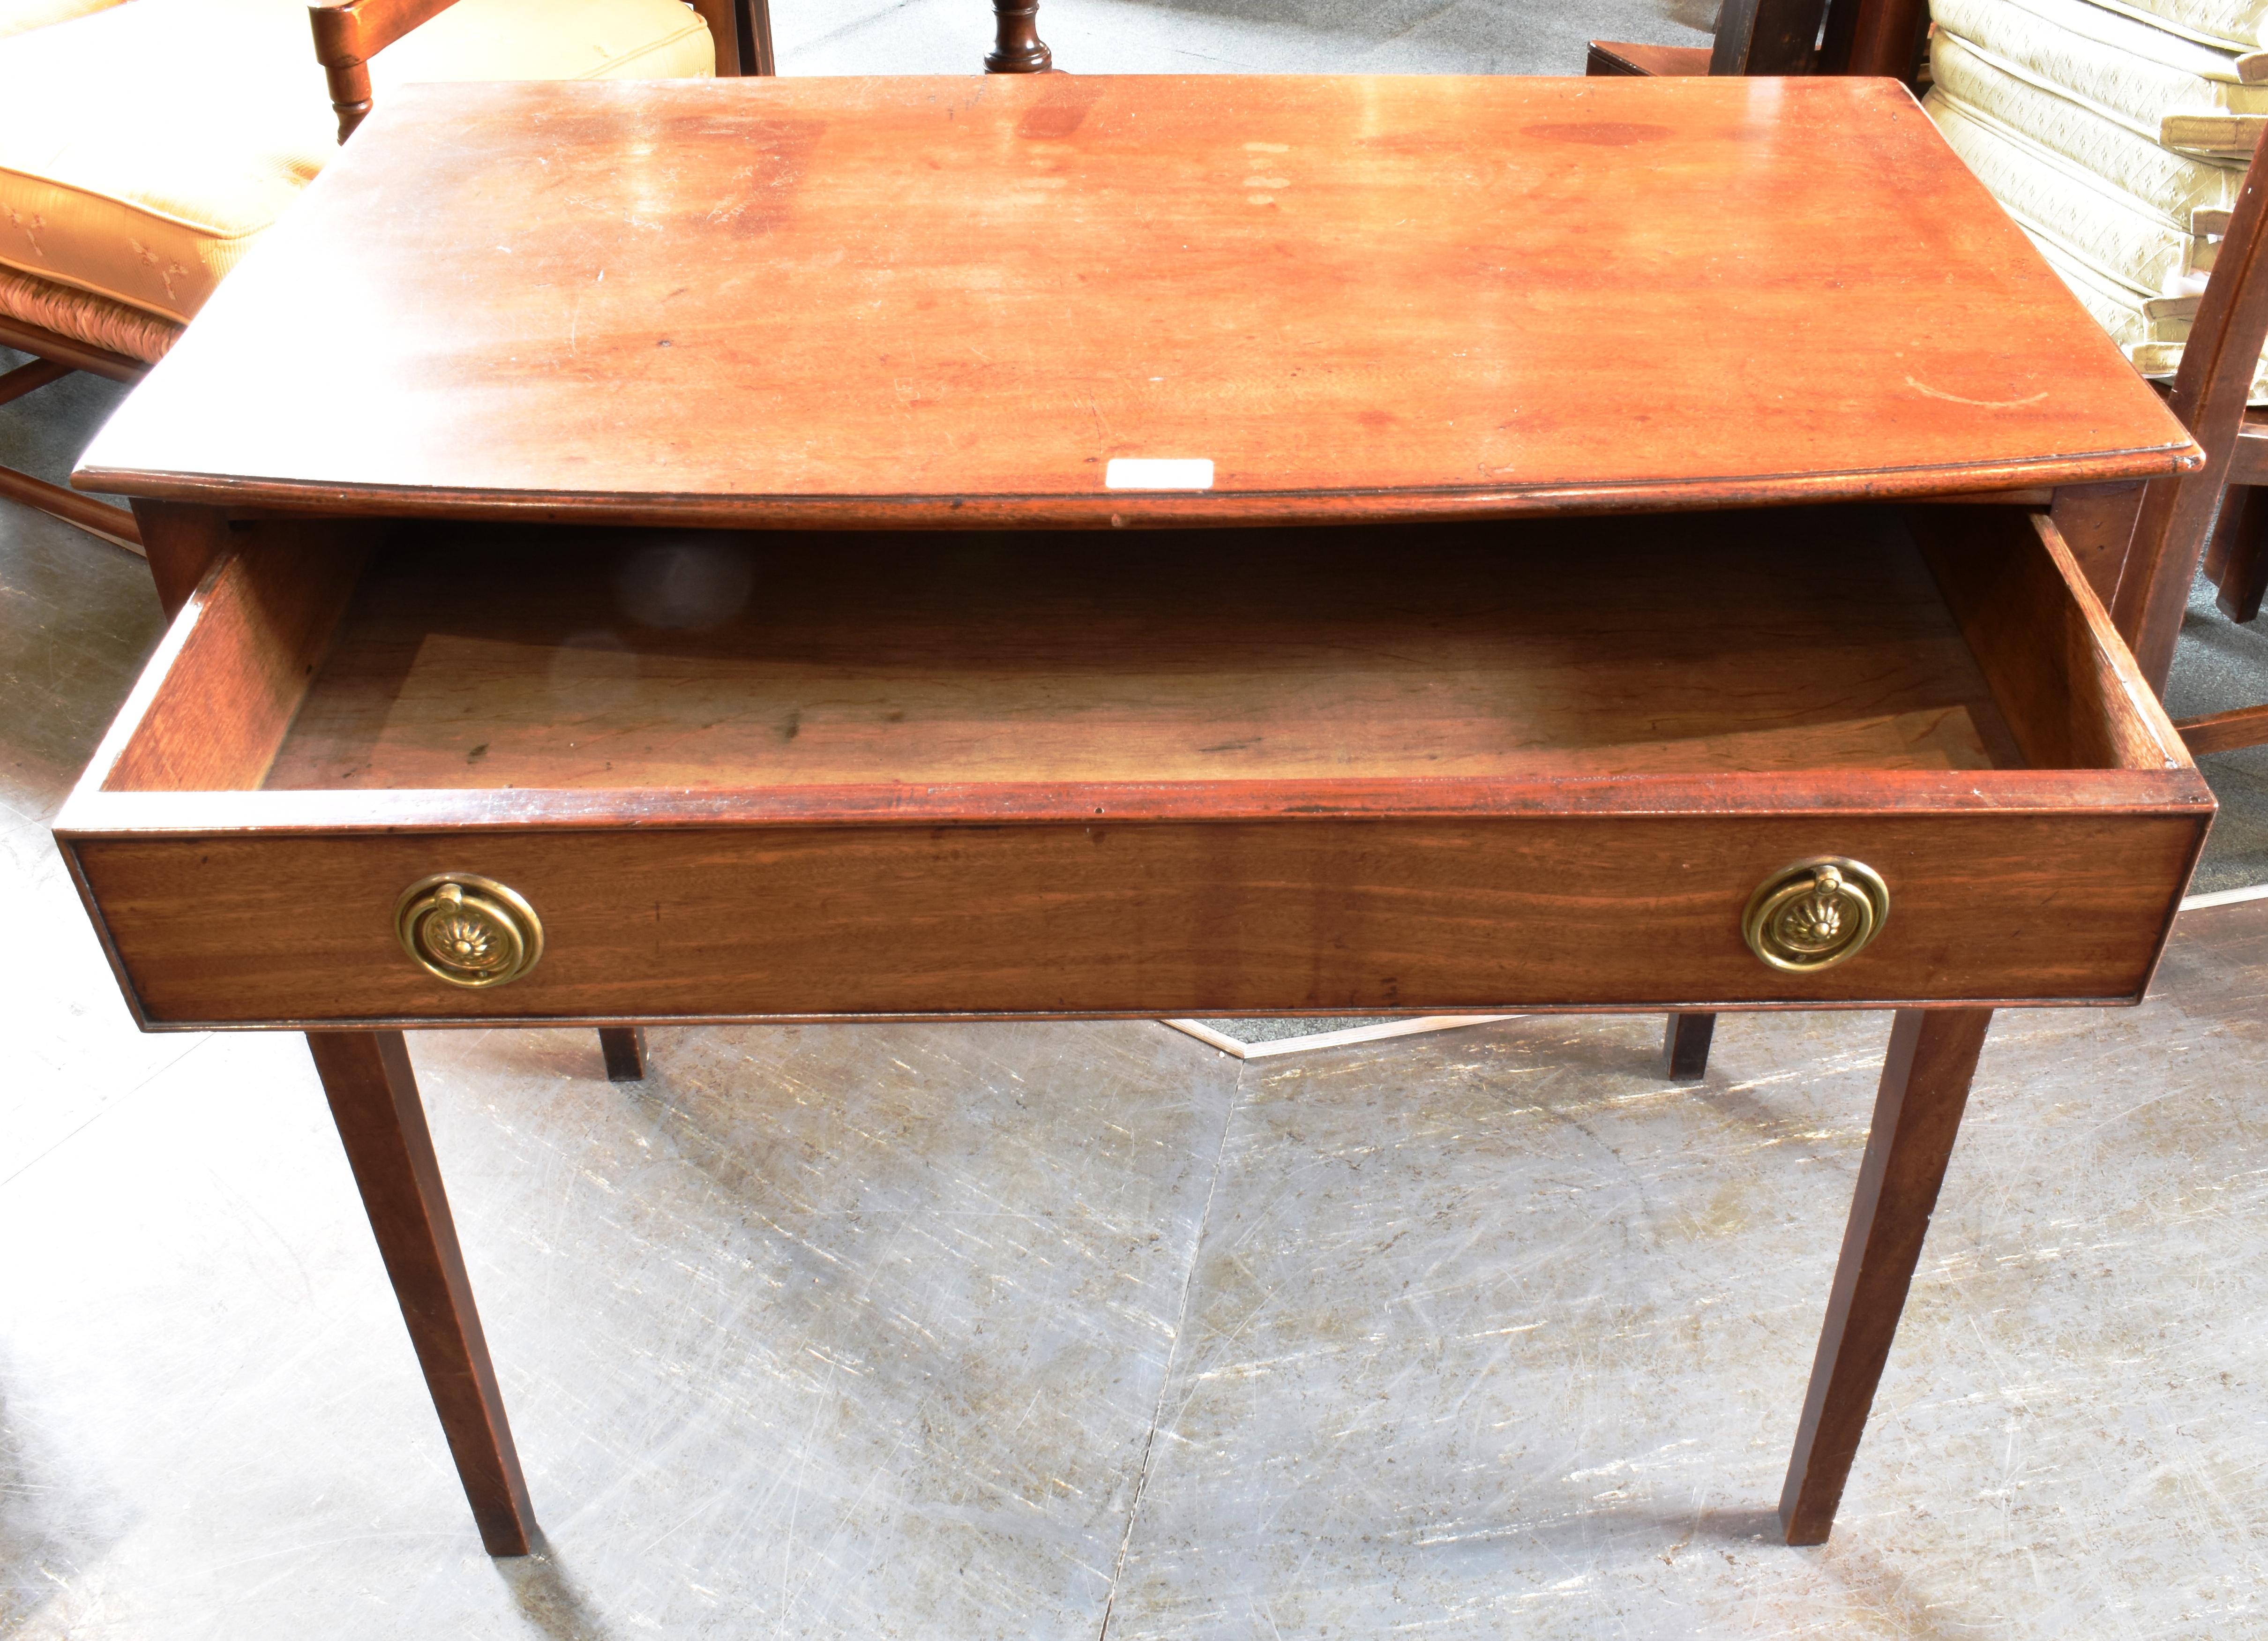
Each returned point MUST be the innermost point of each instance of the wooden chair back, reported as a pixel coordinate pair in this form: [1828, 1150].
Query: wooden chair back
[2177, 526]
[349, 32]
[1785, 37]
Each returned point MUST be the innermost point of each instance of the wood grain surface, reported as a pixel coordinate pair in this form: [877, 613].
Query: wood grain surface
[2210, 391]
[947, 302]
[2068, 687]
[476, 657]
[233, 670]
[1925, 1088]
[382, 1123]
[1384, 780]
[1359, 916]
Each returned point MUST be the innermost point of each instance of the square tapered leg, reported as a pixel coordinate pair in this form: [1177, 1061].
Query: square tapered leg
[1685, 1047]
[381, 1122]
[624, 1048]
[1924, 1087]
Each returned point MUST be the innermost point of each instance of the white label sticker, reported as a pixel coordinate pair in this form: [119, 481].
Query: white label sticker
[1157, 473]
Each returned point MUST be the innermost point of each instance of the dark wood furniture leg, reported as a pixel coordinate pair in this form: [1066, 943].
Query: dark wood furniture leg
[1685, 1046]
[381, 1122]
[1874, 37]
[1925, 1074]
[756, 38]
[2236, 563]
[2209, 388]
[2236, 557]
[1017, 47]
[1767, 37]
[624, 1047]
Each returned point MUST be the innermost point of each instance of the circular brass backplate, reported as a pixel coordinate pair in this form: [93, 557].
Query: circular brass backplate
[469, 931]
[1813, 914]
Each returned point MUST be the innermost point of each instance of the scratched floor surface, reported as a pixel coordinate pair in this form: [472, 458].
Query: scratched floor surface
[1087, 1330]
[1062, 1331]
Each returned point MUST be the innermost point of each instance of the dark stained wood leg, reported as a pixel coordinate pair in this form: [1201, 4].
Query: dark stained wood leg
[2236, 560]
[1924, 1087]
[1767, 36]
[381, 1122]
[1685, 1046]
[1886, 37]
[624, 1047]
[1017, 47]
[756, 38]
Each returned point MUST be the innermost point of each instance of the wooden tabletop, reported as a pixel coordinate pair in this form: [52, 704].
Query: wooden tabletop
[959, 301]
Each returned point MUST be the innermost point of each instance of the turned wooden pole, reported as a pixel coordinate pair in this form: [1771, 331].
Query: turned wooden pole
[1017, 47]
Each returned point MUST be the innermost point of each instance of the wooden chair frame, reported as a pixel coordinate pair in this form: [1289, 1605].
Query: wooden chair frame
[1785, 37]
[2217, 517]
[54, 357]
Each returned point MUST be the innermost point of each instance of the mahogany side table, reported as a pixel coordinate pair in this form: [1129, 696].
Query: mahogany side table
[755, 549]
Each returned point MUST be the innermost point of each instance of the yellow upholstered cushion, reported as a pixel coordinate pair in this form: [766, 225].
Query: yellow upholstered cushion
[16, 16]
[2128, 70]
[144, 147]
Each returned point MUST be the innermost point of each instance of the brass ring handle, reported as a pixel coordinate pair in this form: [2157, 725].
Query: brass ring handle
[1813, 914]
[469, 931]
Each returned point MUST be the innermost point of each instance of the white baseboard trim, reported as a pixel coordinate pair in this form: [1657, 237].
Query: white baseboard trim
[1410, 1027]
[2226, 897]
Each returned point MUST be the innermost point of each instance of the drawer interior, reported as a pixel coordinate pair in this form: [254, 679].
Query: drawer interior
[457, 655]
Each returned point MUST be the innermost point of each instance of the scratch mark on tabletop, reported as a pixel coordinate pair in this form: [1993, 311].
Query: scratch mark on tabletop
[1982, 404]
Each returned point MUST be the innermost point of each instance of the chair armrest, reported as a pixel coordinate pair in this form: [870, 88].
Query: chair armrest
[349, 33]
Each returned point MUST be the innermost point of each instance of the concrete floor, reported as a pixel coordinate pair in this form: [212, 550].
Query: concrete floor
[1232, 36]
[1085, 1329]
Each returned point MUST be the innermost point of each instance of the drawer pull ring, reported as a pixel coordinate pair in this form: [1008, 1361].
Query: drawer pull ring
[1813, 914]
[469, 931]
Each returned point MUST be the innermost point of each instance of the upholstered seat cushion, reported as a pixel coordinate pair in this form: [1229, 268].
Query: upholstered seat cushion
[2154, 342]
[16, 16]
[2121, 236]
[2074, 135]
[2127, 317]
[2178, 184]
[2128, 70]
[2232, 23]
[143, 148]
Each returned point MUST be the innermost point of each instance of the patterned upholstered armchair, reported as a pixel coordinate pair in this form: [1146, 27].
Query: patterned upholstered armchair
[145, 145]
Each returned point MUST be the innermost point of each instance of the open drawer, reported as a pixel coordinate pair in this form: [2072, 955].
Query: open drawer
[1498, 766]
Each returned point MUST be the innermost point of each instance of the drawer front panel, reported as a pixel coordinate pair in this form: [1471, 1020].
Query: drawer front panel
[1339, 914]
